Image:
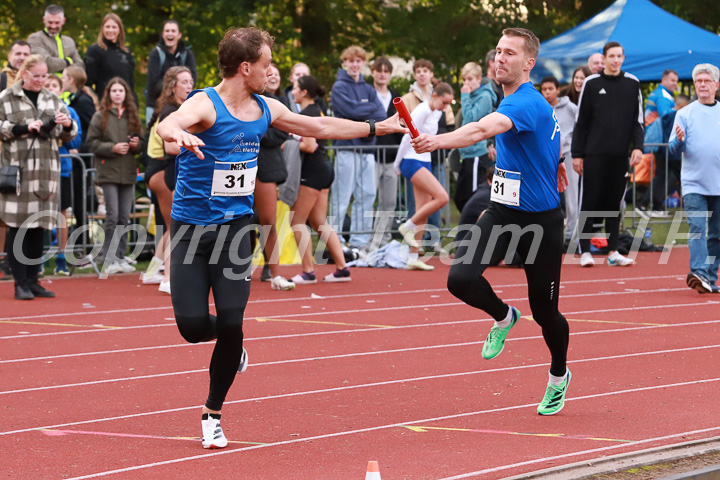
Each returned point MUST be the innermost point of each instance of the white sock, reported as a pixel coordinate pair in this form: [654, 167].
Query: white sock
[409, 224]
[154, 266]
[507, 321]
[557, 381]
[412, 257]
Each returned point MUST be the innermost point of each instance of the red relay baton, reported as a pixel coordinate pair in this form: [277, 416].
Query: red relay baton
[405, 115]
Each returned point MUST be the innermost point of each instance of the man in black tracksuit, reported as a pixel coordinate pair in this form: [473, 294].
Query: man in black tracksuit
[609, 119]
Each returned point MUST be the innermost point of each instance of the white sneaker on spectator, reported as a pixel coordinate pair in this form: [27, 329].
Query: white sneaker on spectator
[409, 235]
[113, 268]
[659, 214]
[419, 265]
[164, 287]
[281, 283]
[152, 279]
[615, 259]
[438, 248]
[586, 260]
[126, 266]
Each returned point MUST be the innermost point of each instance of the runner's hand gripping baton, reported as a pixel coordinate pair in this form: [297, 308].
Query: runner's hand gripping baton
[405, 115]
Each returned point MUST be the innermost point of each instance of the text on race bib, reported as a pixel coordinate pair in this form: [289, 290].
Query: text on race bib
[505, 187]
[234, 179]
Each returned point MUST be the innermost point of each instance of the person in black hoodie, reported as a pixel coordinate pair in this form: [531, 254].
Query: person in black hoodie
[109, 57]
[609, 119]
[170, 51]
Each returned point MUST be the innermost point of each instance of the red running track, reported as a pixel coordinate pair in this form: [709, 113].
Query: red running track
[98, 383]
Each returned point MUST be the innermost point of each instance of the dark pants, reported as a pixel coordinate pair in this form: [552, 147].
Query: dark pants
[472, 173]
[217, 261]
[467, 283]
[31, 247]
[604, 184]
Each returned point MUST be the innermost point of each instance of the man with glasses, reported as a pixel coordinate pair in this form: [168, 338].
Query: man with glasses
[59, 51]
[695, 135]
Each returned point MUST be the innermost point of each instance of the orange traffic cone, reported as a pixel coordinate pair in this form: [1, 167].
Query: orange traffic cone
[373, 471]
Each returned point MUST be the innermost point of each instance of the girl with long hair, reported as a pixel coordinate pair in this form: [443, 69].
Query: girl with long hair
[115, 137]
[109, 57]
[573, 89]
[430, 195]
[160, 171]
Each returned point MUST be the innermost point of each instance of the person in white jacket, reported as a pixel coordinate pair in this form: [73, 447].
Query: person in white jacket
[565, 113]
[430, 195]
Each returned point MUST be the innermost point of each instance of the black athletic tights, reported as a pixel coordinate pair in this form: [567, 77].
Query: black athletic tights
[217, 258]
[467, 283]
[604, 183]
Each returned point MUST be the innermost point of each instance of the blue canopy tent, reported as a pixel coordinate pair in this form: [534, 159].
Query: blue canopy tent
[653, 39]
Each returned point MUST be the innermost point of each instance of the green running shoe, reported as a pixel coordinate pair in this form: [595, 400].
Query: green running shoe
[495, 341]
[554, 399]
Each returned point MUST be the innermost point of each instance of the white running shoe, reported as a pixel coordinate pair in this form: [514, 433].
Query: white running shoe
[156, 279]
[113, 268]
[126, 266]
[164, 287]
[586, 260]
[339, 275]
[213, 436]
[304, 278]
[419, 265]
[615, 259]
[281, 283]
[409, 235]
[243, 361]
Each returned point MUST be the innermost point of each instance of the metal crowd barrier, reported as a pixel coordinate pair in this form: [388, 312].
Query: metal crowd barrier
[667, 190]
[84, 209]
[440, 167]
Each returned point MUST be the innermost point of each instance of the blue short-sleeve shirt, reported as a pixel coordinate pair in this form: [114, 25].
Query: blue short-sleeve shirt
[531, 147]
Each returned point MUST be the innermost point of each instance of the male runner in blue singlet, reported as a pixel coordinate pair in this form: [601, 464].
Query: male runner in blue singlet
[219, 129]
[524, 209]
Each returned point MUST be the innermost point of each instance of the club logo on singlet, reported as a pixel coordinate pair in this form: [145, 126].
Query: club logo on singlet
[244, 146]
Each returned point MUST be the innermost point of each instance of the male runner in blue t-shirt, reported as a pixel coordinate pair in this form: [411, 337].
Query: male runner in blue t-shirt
[524, 211]
[220, 129]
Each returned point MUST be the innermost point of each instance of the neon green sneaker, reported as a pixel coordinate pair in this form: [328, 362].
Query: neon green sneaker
[554, 399]
[495, 341]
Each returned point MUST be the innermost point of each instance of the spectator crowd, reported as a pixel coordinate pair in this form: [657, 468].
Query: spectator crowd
[55, 102]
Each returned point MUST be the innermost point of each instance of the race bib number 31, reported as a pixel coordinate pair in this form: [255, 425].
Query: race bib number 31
[234, 179]
[506, 187]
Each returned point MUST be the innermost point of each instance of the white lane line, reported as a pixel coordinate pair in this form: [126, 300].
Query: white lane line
[403, 307]
[575, 454]
[335, 332]
[353, 387]
[329, 297]
[421, 421]
[406, 307]
[335, 357]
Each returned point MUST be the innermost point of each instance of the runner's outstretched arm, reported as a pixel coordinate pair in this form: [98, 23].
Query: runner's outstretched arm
[327, 127]
[488, 126]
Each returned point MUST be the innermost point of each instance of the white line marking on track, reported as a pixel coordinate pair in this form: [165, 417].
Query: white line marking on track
[346, 355]
[329, 297]
[393, 425]
[403, 307]
[575, 454]
[353, 387]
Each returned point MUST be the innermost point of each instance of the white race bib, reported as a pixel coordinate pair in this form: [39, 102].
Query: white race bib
[234, 179]
[506, 187]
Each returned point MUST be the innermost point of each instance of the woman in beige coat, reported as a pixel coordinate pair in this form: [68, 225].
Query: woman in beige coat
[32, 120]
[115, 137]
